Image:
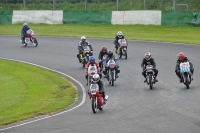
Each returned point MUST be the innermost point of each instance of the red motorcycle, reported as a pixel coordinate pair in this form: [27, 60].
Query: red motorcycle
[30, 38]
[96, 97]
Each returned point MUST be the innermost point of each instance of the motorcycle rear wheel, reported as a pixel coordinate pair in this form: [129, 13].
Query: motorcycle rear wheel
[186, 82]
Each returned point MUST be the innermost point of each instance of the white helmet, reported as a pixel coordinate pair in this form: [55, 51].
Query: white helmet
[25, 25]
[119, 34]
[95, 78]
[147, 55]
[83, 38]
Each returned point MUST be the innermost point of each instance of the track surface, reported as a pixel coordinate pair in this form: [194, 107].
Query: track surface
[131, 107]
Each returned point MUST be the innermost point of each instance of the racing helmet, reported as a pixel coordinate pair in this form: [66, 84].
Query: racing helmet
[92, 60]
[110, 53]
[147, 55]
[83, 39]
[95, 78]
[119, 34]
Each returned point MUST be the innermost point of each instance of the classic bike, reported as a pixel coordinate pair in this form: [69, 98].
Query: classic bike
[30, 38]
[85, 56]
[186, 75]
[111, 77]
[96, 97]
[91, 71]
[150, 76]
[122, 49]
[101, 62]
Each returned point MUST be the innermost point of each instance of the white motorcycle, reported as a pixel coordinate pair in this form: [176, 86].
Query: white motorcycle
[30, 38]
[186, 75]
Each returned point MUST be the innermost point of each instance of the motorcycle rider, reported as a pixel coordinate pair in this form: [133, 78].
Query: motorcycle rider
[148, 60]
[182, 58]
[101, 54]
[83, 42]
[24, 29]
[111, 56]
[92, 62]
[117, 37]
[97, 80]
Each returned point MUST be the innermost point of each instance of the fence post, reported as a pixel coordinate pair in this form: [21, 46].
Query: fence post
[144, 4]
[174, 5]
[24, 1]
[117, 5]
[85, 4]
[54, 4]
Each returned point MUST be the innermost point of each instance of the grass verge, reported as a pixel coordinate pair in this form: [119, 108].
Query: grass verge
[182, 34]
[27, 91]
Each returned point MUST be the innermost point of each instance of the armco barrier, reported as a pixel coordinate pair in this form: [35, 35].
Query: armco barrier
[87, 17]
[175, 18]
[6, 17]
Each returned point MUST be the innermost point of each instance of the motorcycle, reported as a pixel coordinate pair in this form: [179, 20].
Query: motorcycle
[101, 61]
[111, 77]
[186, 75]
[96, 97]
[85, 56]
[91, 71]
[150, 76]
[30, 38]
[122, 49]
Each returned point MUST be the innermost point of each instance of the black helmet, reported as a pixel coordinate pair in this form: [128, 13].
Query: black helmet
[110, 53]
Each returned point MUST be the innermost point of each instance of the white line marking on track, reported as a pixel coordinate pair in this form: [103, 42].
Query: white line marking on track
[82, 87]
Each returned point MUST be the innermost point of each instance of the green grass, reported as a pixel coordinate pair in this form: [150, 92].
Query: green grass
[182, 34]
[27, 91]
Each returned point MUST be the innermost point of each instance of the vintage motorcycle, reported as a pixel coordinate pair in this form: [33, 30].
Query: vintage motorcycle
[85, 56]
[96, 97]
[150, 76]
[91, 71]
[101, 62]
[186, 75]
[111, 77]
[122, 49]
[30, 38]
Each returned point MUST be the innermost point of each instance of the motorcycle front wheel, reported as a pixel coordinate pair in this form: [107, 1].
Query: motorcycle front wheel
[35, 42]
[150, 82]
[112, 78]
[94, 105]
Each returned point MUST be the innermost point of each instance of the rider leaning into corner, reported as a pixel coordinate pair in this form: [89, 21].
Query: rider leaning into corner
[117, 37]
[97, 80]
[148, 60]
[24, 29]
[111, 56]
[182, 58]
[83, 42]
[92, 62]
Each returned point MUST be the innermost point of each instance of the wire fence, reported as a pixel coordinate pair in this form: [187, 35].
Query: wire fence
[101, 5]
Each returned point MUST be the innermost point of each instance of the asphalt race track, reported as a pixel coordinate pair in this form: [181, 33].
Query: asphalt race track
[132, 107]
